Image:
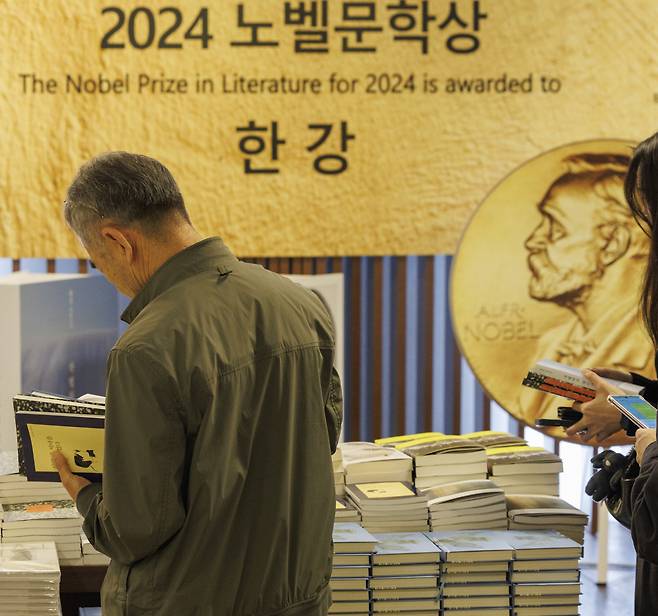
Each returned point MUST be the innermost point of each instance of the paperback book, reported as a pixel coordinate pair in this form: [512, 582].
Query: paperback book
[568, 382]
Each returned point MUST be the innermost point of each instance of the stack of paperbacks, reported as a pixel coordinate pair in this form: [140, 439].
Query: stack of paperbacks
[15, 488]
[467, 505]
[90, 555]
[346, 511]
[29, 579]
[339, 472]
[441, 458]
[545, 574]
[370, 463]
[525, 470]
[390, 507]
[568, 382]
[405, 574]
[56, 521]
[350, 576]
[474, 573]
[531, 512]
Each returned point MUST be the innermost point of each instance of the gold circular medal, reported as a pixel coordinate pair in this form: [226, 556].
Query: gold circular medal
[550, 267]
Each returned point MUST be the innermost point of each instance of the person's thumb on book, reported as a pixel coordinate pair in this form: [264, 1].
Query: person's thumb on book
[72, 483]
[603, 387]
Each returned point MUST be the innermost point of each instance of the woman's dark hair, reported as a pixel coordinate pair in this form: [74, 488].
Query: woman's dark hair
[641, 190]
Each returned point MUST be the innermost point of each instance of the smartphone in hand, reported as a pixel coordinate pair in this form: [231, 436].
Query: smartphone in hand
[636, 409]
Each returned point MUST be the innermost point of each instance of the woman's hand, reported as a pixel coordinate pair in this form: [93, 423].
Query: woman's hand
[610, 373]
[600, 419]
[643, 438]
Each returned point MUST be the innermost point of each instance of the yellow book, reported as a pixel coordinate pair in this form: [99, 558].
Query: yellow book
[395, 440]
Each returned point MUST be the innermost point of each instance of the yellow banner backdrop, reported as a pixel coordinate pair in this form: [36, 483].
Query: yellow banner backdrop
[312, 128]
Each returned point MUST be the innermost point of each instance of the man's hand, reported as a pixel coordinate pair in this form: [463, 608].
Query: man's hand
[72, 483]
[600, 419]
[643, 438]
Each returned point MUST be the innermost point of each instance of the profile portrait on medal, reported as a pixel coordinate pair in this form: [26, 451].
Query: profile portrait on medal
[559, 261]
[586, 256]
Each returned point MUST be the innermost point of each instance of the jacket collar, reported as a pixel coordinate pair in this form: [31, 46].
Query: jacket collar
[205, 255]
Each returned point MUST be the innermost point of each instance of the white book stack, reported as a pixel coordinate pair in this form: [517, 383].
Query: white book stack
[16, 489]
[339, 472]
[525, 470]
[90, 555]
[474, 573]
[390, 507]
[441, 458]
[350, 576]
[346, 512]
[405, 575]
[57, 521]
[29, 580]
[533, 512]
[467, 505]
[545, 573]
[370, 463]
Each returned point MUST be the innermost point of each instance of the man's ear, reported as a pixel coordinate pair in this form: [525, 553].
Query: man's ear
[616, 239]
[119, 242]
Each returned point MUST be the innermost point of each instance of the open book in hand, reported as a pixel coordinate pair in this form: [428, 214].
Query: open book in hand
[46, 423]
[569, 382]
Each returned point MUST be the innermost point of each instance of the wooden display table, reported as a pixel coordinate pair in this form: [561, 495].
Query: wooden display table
[80, 587]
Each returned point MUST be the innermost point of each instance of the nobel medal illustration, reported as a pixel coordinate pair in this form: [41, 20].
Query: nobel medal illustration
[550, 267]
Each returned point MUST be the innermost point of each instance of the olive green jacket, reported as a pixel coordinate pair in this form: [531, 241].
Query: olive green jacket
[223, 408]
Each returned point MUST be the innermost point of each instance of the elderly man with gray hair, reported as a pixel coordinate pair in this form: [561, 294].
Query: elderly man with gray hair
[223, 408]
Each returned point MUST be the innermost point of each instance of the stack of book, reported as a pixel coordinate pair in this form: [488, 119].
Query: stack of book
[441, 458]
[405, 574]
[391, 507]
[530, 512]
[525, 470]
[545, 574]
[339, 473]
[350, 576]
[90, 555]
[29, 579]
[56, 521]
[367, 463]
[569, 382]
[467, 505]
[474, 572]
[16, 489]
[346, 512]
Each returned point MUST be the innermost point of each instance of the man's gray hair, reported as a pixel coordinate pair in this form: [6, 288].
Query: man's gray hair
[124, 189]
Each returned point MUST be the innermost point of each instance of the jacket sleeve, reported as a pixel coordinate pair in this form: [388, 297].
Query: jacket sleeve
[333, 410]
[650, 391]
[644, 505]
[139, 506]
